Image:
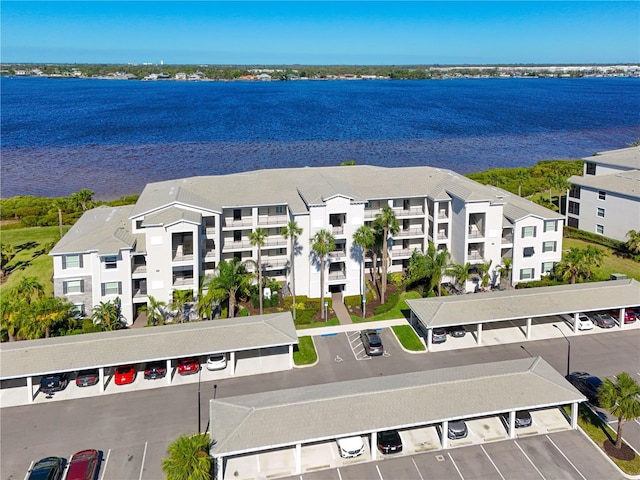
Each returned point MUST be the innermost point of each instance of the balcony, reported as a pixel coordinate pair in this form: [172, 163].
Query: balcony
[181, 255]
[443, 214]
[371, 212]
[272, 219]
[139, 292]
[337, 254]
[411, 232]
[475, 232]
[442, 235]
[274, 263]
[230, 222]
[182, 280]
[139, 269]
[408, 212]
[337, 229]
[236, 245]
[405, 252]
[475, 255]
[508, 238]
[337, 275]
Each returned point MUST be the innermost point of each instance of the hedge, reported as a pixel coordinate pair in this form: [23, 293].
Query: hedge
[571, 232]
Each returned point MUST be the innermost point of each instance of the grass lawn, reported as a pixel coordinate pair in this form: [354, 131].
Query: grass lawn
[305, 352]
[408, 338]
[332, 322]
[611, 263]
[401, 310]
[30, 259]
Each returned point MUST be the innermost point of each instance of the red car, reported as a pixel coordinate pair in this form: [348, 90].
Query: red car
[125, 374]
[187, 366]
[84, 465]
[629, 315]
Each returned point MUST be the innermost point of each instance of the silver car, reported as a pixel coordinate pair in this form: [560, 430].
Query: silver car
[603, 320]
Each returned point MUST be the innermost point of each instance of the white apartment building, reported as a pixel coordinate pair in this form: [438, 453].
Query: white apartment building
[606, 198]
[179, 230]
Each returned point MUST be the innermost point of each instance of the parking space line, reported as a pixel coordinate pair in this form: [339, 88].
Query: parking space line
[565, 457]
[491, 460]
[379, 474]
[339, 476]
[144, 455]
[455, 466]
[527, 457]
[104, 466]
[28, 470]
[417, 469]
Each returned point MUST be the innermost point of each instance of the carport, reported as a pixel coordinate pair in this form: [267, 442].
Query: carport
[255, 344]
[293, 419]
[527, 303]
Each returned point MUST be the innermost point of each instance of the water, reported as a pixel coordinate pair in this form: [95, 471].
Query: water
[113, 137]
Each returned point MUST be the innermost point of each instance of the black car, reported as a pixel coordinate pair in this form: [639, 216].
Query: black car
[86, 378]
[457, 331]
[50, 468]
[438, 335]
[389, 441]
[457, 429]
[155, 370]
[523, 419]
[371, 342]
[54, 383]
[587, 384]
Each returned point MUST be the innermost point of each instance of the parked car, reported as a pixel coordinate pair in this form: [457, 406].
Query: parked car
[125, 374]
[587, 384]
[629, 315]
[350, 447]
[523, 419]
[457, 429]
[86, 378]
[457, 331]
[603, 320]
[217, 361]
[84, 465]
[155, 370]
[187, 366]
[584, 322]
[371, 342]
[50, 468]
[438, 335]
[54, 383]
[389, 441]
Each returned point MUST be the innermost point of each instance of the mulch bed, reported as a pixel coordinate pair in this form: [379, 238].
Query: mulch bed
[624, 453]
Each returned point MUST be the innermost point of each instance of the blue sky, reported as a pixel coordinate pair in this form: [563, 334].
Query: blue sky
[325, 32]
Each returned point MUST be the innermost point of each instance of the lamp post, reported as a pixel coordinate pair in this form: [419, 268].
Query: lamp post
[528, 352]
[199, 423]
[568, 349]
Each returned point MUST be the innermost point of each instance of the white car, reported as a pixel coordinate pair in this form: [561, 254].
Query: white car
[217, 361]
[350, 447]
[584, 322]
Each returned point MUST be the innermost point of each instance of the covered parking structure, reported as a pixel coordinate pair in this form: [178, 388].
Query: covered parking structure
[255, 344]
[293, 418]
[526, 303]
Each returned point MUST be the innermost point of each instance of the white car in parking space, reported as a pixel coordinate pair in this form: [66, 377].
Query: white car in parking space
[584, 322]
[350, 447]
[217, 361]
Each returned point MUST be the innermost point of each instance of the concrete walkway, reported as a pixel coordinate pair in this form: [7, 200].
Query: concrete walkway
[341, 311]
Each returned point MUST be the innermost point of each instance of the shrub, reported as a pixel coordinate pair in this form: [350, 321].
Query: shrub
[397, 278]
[571, 232]
[392, 301]
[353, 301]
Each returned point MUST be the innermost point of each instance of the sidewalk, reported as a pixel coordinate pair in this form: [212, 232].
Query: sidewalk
[351, 327]
[341, 311]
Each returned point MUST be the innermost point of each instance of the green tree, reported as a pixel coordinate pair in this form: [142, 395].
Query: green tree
[107, 315]
[364, 239]
[633, 244]
[29, 290]
[622, 398]
[571, 266]
[322, 243]
[505, 269]
[292, 232]
[484, 270]
[387, 223]
[188, 458]
[82, 199]
[230, 280]
[461, 274]
[180, 299]
[258, 238]
[155, 311]
[44, 315]
[521, 175]
[7, 252]
[438, 265]
[59, 204]
[10, 318]
[592, 258]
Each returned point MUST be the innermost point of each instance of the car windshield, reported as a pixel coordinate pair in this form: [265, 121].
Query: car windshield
[593, 382]
[391, 437]
[216, 358]
[374, 340]
[124, 370]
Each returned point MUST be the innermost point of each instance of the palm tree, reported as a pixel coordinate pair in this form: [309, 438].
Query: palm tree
[188, 458]
[622, 398]
[387, 223]
[505, 269]
[230, 279]
[633, 244]
[258, 239]
[29, 289]
[10, 318]
[82, 199]
[460, 273]
[180, 298]
[483, 270]
[364, 238]
[292, 231]
[107, 315]
[323, 243]
[521, 175]
[592, 256]
[7, 252]
[438, 264]
[59, 204]
[155, 313]
[571, 265]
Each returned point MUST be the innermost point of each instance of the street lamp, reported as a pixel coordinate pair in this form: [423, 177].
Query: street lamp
[528, 352]
[568, 349]
[199, 423]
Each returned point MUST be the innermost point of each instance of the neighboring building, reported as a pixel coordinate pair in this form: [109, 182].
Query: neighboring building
[179, 230]
[606, 198]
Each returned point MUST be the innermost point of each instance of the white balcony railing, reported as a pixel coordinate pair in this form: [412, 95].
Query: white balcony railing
[272, 219]
[339, 275]
[411, 232]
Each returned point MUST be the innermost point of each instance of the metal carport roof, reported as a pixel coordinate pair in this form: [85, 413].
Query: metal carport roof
[525, 303]
[267, 420]
[93, 350]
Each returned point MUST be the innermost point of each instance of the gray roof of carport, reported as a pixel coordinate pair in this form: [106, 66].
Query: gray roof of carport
[279, 418]
[92, 350]
[525, 303]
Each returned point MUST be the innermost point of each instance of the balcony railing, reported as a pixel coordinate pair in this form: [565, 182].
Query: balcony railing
[272, 219]
[371, 213]
[180, 280]
[442, 236]
[338, 275]
[442, 214]
[139, 292]
[411, 232]
[405, 252]
[275, 241]
[337, 254]
[404, 212]
[243, 222]
[507, 238]
[274, 264]
[475, 232]
[337, 230]
[179, 256]
[475, 255]
[236, 245]
[209, 252]
[139, 269]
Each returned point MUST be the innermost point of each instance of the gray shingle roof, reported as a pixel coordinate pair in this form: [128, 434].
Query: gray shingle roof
[285, 417]
[624, 157]
[624, 183]
[525, 303]
[91, 350]
[172, 215]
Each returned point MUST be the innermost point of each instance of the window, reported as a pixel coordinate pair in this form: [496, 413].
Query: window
[547, 267]
[574, 192]
[591, 168]
[573, 222]
[279, 209]
[550, 226]
[601, 212]
[72, 286]
[528, 232]
[600, 229]
[112, 288]
[138, 224]
[78, 309]
[237, 235]
[237, 214]
[574, 207]
[549, 247]
[71, 261]
[111, 262]
[527, 273]
[528, 252]
[602, 195]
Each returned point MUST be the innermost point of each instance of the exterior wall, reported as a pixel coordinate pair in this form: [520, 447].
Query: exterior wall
[303, 256]
[159, 275]
[84, 273]
[520, 243]
[601, 168]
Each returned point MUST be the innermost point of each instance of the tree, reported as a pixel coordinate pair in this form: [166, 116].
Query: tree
[364, 238]
[29, 290]
[460, 273]
[43, 315]
[292, 232]
[188, 458]
[82, 199]
[633, 244]
[7, 252]
[592, 256]
[10, 318]
[622, 398]
[571, 265]
[180, 299]
[59, 204]
[521, 175]
[107, 315]
[483, 270]
[258, 239]
[155, 312]
[505, 269]
[323, 243]
[388, 224]
[438, 266]
[231, 278]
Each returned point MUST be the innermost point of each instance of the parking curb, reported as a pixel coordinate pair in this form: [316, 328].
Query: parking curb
[317, 356]
[625, 475]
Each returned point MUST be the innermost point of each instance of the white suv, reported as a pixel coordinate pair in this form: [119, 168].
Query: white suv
[350, 447]
[584, 322]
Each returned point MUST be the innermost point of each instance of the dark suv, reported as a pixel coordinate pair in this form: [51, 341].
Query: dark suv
[54, 383]
[155, 370]
[587, 384]
[371, 342]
